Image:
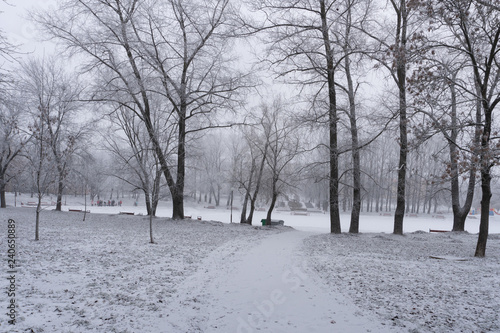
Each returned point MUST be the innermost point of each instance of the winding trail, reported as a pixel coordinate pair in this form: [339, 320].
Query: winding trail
[264, 286]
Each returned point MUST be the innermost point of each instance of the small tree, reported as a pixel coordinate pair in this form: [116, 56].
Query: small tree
[57, 94]
[284, 146]
[251, 170]
[41, 164]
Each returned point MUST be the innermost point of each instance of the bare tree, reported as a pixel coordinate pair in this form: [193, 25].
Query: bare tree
[352, 45]
[176, 49]
[57, 94]
[441, 89]
[475, 33]
[131, 146]
[399, 75]
[213, 164]
[302, 48]
[12, 141]
[41, 166]
[284, 145]
[398, 45]
[251, 170]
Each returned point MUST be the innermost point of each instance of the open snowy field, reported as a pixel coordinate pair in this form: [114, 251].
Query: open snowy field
[102, 275]
[314, 222]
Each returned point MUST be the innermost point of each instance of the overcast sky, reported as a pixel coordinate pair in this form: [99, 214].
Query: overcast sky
[16, 26]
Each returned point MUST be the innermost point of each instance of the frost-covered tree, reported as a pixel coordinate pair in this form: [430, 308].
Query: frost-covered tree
[12, 141]
[52, 96]
[176, 49]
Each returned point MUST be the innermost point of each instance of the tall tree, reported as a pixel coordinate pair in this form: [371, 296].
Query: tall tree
[440, 87]
[399, 76]
[301, 47]
[11, 141]
[352, 44]
[398, 40]
[176, 49]
[475, 33]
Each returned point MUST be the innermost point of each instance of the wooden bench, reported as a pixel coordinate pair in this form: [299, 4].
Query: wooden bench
[300, 213]
[126, 213]
[436, 230]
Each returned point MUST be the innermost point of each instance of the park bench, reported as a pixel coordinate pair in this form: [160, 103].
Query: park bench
[78, 210]
[273, 222]
[437, 230]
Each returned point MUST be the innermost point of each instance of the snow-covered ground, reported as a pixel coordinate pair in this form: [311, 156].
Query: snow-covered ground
[314, 222]
[102, 275]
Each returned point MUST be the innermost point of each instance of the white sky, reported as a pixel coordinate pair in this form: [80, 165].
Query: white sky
[18, 29]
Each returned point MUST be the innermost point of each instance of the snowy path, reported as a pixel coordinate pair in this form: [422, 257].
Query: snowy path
[266, 288]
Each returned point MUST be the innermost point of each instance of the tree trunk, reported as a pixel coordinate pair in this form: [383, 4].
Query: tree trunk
[271, 208]
[486, 165]
[332, 121]
[3, 202]
[147, 199]
[257, 185]
[244, 208]
[60, 188]
[243, 218]
[460, 213]
[356, 164]
[178, 206]
[151, 239]
[403, 133]
[37, 218]
[252, 209]
[155, 197]
[485, 212]
[217, 197]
